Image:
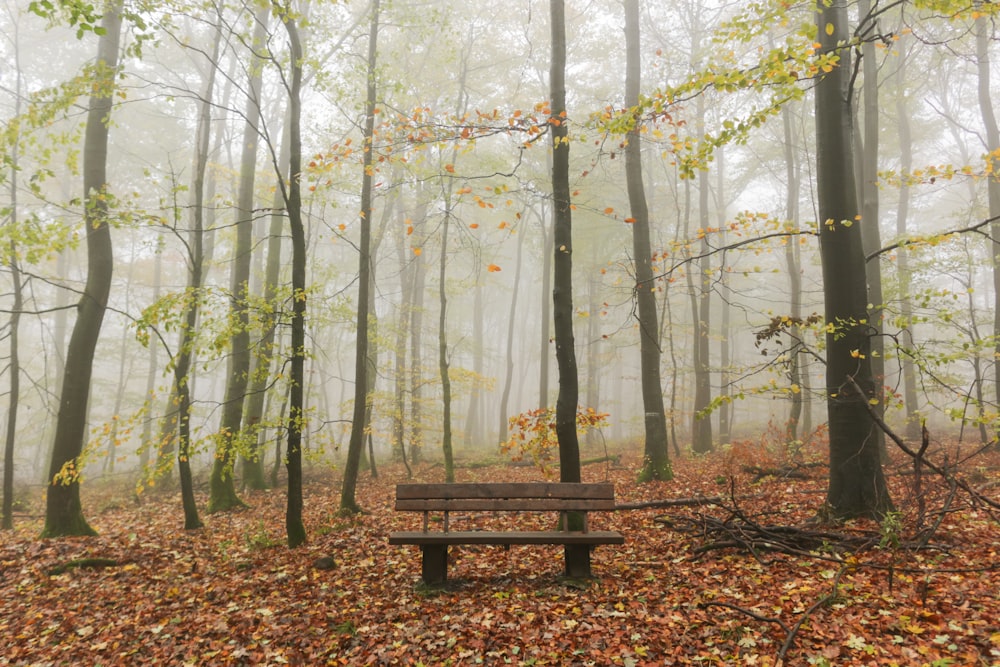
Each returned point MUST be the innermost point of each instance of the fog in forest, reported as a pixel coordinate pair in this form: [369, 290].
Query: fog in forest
[430, 144]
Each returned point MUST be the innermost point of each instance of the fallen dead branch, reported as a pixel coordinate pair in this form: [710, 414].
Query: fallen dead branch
[672, 502]
[918, 457]
[92, 563]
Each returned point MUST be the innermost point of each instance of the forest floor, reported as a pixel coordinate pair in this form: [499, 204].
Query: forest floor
[675, 593]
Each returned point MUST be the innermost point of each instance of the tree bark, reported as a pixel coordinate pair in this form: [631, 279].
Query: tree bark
[903, 254]
[348, 501]
[577, 557]
[656, 457]
[982, 28]
[294, 527]
[222, 484]
[63, 509]
[793, 177]
[857, 484]
[871, 237]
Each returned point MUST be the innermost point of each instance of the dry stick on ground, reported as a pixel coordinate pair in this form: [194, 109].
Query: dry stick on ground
[673, 502]
[918, 457]
[790, 632]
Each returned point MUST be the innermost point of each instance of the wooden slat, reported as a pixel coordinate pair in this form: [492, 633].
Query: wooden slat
[507, 490]
[503, 504]
[514, 537]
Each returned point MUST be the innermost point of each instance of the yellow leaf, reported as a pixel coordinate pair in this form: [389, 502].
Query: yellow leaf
[417, 251]
[829, 28]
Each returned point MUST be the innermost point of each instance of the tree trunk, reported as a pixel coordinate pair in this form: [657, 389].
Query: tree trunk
[546, 325]
[222, 484]
[416, 347]
[871, 237]
[701, 426]
[14, 364]
[656, 457]
[857, 485]
[904, 276]
[294, 528]
[985, 98]
[577, 557]
[252, 464]
[63, 510]
[184, 361]
[793, 175]
[348, 502]
[725, 326]
[509, 357]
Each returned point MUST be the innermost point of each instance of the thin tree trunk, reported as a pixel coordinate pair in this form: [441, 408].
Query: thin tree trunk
[545, 338]
[725, 334]
[63, 509]
[793, 178]
[260, 376]
[509, 356]
[17, 306]
[904, 276]
[294, 527]
[474, 418]
[348, 501]
[701, 426]
[416, 347]
[871, 236]
[985, 98]
[222, 484]
[656, 457]
[577, 557]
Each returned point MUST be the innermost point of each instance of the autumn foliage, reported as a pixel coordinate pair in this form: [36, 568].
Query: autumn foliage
[919, 589]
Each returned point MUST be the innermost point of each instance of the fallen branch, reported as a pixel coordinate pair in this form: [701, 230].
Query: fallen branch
[93, 563]
[918, 456]
[673, 502]
[826, 599]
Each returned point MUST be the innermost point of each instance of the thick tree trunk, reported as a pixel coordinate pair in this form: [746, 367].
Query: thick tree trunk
[857, 485]
[656, 458]
[63, 510]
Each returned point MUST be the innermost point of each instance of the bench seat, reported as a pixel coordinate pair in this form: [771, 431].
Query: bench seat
[419, 537]
[490, 498]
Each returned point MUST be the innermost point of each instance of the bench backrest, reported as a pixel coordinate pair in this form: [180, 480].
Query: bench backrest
[510, 497]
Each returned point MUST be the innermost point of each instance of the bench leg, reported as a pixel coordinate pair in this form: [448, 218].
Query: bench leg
[434, 568]
[578, 561]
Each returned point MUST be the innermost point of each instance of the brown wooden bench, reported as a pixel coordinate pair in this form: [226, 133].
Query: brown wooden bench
[440, 500]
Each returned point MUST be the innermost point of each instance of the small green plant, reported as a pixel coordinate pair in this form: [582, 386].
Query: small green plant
[346, 628]
[891, 529]
[260, 539]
